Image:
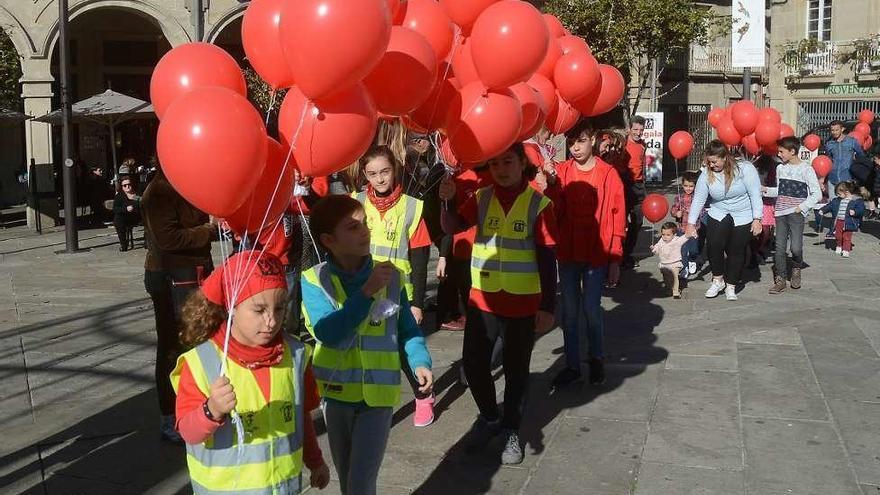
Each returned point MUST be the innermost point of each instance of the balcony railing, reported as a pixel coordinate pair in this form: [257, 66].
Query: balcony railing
[711, 59]
[868, 61]
[818, 61]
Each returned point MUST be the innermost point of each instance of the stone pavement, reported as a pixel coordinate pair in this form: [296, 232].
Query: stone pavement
[767, 395]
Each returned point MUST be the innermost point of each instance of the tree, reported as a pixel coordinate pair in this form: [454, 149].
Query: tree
[10, 74]
[632, 34]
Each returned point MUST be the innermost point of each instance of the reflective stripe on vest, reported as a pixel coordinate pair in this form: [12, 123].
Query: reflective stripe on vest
[291, 487]
[504, 255]
[220, 462]
[364, 367]
[393, 244]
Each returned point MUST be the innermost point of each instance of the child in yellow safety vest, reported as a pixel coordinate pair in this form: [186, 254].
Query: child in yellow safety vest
[359, 314]
[398, 234]
[267, 383]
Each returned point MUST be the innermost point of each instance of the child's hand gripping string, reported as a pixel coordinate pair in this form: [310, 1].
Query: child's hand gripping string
[222, 400]
[425, 378]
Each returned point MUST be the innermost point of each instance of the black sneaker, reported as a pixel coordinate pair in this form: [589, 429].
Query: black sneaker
[513, 453]
[481, 433]
[597, 371]
[567, 377]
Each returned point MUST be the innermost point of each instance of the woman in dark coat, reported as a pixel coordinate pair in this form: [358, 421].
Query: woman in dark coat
[126, 212]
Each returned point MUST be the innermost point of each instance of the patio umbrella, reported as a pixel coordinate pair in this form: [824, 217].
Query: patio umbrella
[108, 108]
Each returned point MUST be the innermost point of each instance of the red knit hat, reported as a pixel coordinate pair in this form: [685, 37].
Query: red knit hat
[250, 272]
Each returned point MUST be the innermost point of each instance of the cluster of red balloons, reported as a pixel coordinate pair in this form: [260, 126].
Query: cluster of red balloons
[755, 129]
[486, 73]
[862, 130]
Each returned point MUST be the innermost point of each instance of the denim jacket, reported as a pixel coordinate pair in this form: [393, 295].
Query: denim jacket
[851, 223]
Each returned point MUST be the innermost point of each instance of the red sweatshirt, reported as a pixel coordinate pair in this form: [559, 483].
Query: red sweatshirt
[591, 212]
[195, 427]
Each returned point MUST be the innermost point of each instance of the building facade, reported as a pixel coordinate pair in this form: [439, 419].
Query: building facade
[114, 44]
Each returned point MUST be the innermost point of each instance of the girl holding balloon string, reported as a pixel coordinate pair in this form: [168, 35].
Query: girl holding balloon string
[267, 381]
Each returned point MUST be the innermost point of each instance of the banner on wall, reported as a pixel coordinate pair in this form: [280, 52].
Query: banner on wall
[748, 33]
[654, 143]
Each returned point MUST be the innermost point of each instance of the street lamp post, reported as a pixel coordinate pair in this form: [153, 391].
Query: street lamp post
[69, 178]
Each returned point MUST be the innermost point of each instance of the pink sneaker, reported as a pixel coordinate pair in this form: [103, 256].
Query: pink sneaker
[424, 414]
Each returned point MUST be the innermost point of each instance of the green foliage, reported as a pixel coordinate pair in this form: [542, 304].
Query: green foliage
[10, 73]
[630, 34]
[260, 93]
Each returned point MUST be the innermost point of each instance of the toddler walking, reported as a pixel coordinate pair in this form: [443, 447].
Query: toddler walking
[847, 211]
[668, 248]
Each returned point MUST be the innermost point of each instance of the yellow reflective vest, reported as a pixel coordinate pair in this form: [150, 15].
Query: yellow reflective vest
[270, 459]
[504, 255]
[366, 366]
[390, 233]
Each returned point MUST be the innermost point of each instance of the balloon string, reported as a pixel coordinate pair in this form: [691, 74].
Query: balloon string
[305, 224]
[273, 95]
[455, 48]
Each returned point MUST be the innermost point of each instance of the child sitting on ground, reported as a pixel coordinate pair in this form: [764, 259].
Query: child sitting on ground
[668, 248]
[847, 210]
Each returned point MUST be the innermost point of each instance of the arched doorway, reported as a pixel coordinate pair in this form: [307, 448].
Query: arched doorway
[111, 48]
[12, 160]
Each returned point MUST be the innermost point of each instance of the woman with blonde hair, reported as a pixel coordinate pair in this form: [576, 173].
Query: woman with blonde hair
[734, 215]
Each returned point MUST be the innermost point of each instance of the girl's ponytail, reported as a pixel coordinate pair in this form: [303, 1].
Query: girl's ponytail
[201, 318]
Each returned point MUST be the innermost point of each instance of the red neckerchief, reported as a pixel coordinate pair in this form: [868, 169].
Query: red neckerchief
[384, 203]
[251, 357]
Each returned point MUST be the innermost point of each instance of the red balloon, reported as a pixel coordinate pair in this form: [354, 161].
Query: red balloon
[822, 165]
[557, 30]
[727, 132]
[609, 95]
[465, 12]
[570, 43]
[812, 142]
[866, 116]
[446, 153]
[767, 132]
[869, 143]
[463, 64]
[577, 76]
[554, 53]
[412, 126]
[405, 76]
[212, 146]
[428, 19]
[546, 89]
[483, 123]
[270, 197]
[863, 128]
[531, 108]
[716, 115]
[193, 66]
[680, 144]
[508, 43]
[261, 39]
[859, 136]
[335, 131]
[431, 115]
[785, 130]
[332, 44]
[655, 207]
[745, 117]
[562, 117]
[393, 7]
[751, 144]
[770, 149]
[768, 114]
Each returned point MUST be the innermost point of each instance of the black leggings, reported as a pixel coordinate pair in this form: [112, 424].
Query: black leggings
[727, 248]
[481, 332]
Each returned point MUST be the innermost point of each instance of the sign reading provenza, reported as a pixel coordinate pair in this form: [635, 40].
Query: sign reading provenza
[848, 89]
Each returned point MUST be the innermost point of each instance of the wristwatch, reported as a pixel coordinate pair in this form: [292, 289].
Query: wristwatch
[207, 411]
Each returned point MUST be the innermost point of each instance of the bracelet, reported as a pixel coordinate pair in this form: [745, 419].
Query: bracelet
[207, 411]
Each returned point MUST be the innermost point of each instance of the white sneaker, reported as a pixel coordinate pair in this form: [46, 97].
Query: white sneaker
[692, 267]
[730, 293]
[839, 251]
[845, 254]
[715, 288]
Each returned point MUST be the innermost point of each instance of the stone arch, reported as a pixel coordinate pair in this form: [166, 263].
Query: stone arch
[16, 31]
[173, 30]
[224, 22]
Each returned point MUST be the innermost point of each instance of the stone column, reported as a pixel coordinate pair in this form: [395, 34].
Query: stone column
[37, 96]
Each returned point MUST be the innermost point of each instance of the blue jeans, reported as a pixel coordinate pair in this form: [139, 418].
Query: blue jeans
[582, 294]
